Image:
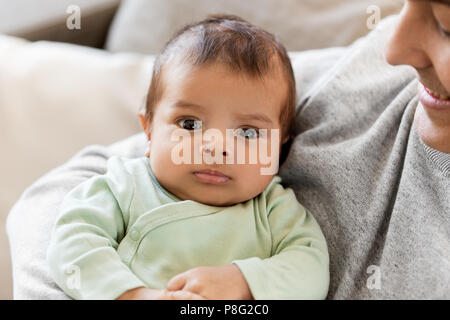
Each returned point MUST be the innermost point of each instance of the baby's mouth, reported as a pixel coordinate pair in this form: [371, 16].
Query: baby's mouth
[212, 176]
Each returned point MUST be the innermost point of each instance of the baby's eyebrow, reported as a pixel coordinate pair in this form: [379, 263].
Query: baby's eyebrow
[255, 116]
[186, 104]
[243, 117]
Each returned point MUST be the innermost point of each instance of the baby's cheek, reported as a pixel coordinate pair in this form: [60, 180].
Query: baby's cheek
[252, 181]
[160, 156]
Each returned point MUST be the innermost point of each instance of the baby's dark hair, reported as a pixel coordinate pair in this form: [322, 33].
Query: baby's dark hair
[238, 45]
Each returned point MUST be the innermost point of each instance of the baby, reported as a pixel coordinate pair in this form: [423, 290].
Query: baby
[168, 226]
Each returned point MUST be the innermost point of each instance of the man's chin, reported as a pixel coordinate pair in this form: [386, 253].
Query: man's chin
[440, 118]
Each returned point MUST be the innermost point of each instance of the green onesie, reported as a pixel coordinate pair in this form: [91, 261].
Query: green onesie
[123, 230]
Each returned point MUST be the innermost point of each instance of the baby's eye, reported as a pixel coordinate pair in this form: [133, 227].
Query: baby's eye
[190, 124]
[248, 133]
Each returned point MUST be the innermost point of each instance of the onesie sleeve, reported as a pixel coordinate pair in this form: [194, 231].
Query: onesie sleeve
[82, 255]
[299, 264]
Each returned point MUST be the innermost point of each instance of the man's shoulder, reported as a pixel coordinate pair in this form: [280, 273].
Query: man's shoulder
[121, 163]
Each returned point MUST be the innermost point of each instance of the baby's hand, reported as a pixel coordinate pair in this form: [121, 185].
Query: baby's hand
[216, 283]
[143, 293]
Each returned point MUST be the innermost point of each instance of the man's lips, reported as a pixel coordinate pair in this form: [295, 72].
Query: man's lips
[433, 100]
[212, 176]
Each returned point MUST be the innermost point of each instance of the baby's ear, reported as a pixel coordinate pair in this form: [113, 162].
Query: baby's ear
[286, 139]
[145, 124]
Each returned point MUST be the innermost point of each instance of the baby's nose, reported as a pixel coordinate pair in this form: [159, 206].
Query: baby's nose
[211, 149]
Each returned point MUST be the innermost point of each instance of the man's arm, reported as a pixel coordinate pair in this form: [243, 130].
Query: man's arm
[31, 220]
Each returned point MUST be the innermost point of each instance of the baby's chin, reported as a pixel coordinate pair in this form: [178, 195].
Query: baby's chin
[221, 201]
[218, 202]
[224, 197]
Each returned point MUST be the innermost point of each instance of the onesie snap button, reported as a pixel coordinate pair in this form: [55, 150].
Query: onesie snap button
[134, 235]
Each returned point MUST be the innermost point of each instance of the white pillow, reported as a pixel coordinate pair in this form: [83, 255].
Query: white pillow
[145, 25]
[56, 99]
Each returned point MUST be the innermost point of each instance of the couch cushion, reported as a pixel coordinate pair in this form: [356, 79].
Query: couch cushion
[57, 98]
[145, 25]
[54, 100]
[47, 20]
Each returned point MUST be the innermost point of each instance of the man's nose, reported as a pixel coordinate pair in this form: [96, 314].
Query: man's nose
[407, 45]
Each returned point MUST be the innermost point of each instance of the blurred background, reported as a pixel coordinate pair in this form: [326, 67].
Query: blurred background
[74, 72]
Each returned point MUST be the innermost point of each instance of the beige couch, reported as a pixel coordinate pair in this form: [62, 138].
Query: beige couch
[56, 98]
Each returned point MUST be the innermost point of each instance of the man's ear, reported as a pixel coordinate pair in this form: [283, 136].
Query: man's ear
[145, 125]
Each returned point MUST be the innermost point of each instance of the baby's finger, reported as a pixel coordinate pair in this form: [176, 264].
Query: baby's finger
[184, 295]
[177, 283]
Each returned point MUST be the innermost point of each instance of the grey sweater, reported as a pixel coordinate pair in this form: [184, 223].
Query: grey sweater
[380, 195]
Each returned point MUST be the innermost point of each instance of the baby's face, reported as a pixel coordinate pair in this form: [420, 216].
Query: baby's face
[210, 97]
